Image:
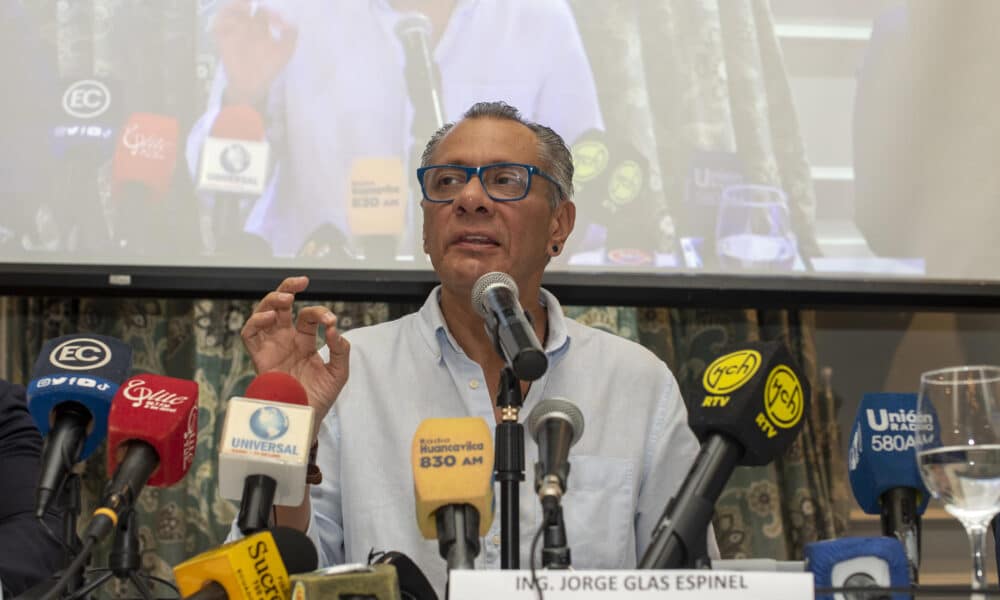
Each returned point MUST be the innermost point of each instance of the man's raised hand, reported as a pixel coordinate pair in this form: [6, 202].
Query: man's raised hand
[277, 340]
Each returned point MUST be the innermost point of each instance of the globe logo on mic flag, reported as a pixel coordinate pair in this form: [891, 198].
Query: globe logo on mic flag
[235, 158]
[269, 423]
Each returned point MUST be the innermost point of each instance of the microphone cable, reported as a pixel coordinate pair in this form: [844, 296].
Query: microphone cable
[534, 552]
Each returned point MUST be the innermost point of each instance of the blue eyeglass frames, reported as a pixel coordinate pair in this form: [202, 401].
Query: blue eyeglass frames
[503, 182]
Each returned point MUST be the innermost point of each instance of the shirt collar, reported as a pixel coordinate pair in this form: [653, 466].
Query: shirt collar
[435, 332]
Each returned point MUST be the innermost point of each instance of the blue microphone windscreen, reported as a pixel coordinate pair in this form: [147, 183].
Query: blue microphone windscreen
[882, 453]
[82, 368]
[822, 558]
[87, 114]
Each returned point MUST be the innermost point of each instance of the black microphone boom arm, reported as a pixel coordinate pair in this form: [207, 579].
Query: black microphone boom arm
[679, 540]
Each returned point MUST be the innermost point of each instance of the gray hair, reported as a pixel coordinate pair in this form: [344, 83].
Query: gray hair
[555, 156]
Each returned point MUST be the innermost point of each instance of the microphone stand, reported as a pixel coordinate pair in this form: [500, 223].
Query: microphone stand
[71, 494]
[70, 517]
[423, 86]
[681, 543]
[509, 466]
[125, 562]
[555, 548]
[257, 504]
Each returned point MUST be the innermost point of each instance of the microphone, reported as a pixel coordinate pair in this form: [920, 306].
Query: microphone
[413, 584]
[370, 582]
[423, 88]
[495, 298]
[74, 380]
[256, 567]
[882, 467]
[556, 425]
[376, 206]
[423, 82]
[747, 411]
[152, 436]
[875, 562]
[141, 171]
[82, 141]
[234, 163]
[615, 201]
[452, 483]
[264, 452]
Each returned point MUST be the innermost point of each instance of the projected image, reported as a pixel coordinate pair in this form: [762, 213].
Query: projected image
[810, 139]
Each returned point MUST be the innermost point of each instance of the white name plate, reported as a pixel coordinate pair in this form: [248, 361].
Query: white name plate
[604, 585]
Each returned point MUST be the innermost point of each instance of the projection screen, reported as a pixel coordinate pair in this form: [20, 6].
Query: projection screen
[808, 141]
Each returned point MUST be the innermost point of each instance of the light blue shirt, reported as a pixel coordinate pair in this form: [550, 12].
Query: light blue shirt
[343, 96]
[633, 455]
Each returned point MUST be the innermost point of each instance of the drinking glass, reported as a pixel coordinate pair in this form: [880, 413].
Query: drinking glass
[958, 448]
[753, 229]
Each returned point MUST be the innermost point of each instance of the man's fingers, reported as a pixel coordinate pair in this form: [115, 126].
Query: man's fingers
[307, 325]
[283, 32]
[281, 299]
[339, 346]
[340, 350]
[311, 317]
[231, 16]
[281, 304]
[293, 285]
[257, 323]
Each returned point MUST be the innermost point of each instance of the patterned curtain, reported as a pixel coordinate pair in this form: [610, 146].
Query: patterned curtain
[714, 72]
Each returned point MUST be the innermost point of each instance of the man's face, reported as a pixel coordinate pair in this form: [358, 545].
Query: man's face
[474, 235]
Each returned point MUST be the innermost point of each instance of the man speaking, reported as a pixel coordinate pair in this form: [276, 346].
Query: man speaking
[496, 197]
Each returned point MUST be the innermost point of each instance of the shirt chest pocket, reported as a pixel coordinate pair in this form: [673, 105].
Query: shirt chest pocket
[599, 510]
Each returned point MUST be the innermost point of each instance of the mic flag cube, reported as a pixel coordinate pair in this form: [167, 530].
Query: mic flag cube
[882, 454]
[376, 582]
[857, 562]
[82, 368]
[755, 393]
[261, 437]
[161, 411]
[452, 464]
[256, 567]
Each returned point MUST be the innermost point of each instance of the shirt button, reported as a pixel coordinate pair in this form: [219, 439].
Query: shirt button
[496, 540]
[473, 383]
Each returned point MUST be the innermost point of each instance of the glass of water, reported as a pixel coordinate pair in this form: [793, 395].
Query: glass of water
[958, 448]
[753, 230]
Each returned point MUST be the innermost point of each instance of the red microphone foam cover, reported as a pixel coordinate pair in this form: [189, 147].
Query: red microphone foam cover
[239, 122]
[146, 152]
[277, 386]
[161, 411]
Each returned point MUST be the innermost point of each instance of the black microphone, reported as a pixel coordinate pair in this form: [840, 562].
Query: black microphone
[152, 437]
[413, 584]
[422, 78]
[82, 141]
[73, 383]
[494, 296]
[555, 425]
[747, 411]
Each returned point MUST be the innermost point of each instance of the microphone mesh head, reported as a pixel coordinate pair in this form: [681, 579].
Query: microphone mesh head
[414, 22]
[296, 549]
[277, 386]
[556, 408]
[484, 283]
[239, 122]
